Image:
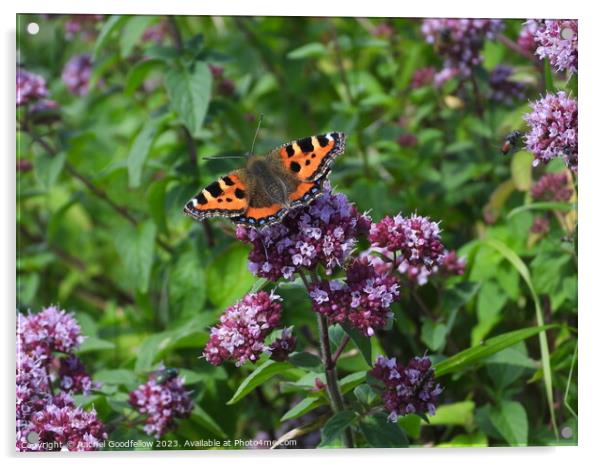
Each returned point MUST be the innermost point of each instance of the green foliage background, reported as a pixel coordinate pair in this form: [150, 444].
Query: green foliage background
[101, 231]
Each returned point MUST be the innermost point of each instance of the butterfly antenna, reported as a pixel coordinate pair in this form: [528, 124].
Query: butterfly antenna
[219, 157]
[256, 133]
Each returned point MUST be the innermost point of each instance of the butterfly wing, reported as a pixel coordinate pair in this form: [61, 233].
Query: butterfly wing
[260, 217]
[226, 197]
[309, 159]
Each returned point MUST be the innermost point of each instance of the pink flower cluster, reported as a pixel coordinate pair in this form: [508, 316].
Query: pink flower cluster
[557, 41]
[552, 187]
[162, 403]
[553, 129]
[322, 233]
[459, 41]
[77, 72]
[31, 87]
[407, 389]
[363, 300]
[242, 329]
[526, 36]
[414, 243]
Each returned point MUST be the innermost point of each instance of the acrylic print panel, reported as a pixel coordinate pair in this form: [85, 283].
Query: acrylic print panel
[388, 260]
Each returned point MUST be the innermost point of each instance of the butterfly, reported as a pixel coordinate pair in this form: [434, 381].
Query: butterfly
[262, 192]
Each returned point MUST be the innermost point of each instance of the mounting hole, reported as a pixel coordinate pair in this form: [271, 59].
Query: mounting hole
[33, 28]
[566, 432]
[567, 33]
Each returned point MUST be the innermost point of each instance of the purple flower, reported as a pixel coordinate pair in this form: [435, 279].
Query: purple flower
[526, 36]
[49, 330]
[363, 300]
[553, 133]
[503, 88]
[82, 25]
[422, 77]
[163, 403]
[31, 385]
[242, 329]
[77, 72]
[445, 75]
[156, 33]
[282, 346]
[552, 187]
[61, 424]
[407, 140]
[416, 239]
[452, 264]
[30, 87]
[322, 233]
[459, 41]
[407, 389]
[557, 41]
[74, 378]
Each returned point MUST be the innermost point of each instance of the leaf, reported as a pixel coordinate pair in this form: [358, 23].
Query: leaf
[48, 168]
[411, 424]
[95, 344]
[336, 425]
[311, 50]
[489, 304]
[522, 269]
[187, 290]
[365, 394]
[140, 150]
[548, 76]
[477, 353]
[189, 94]
[453, 414]
[380, 433]
[116, 377]
[566, 207]
[131, 32]
[109, 27]
[433, 334]
[156, 203]
[304, 359]
[510, 419]
[136, 247]
[304, 406]
[362, 342]
[138, 73]
[228, 277]
[202, 418]
[260, 375]
[476, 439]
[521, 168]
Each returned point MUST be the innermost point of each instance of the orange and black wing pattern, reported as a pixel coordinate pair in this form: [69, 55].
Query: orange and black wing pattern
[261, 217]
[226, 197]
[309, 159]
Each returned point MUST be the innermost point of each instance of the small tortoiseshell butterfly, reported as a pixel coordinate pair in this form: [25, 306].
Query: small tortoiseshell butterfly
[268, 186]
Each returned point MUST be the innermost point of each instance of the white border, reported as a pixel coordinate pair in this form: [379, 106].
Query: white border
[590, 105]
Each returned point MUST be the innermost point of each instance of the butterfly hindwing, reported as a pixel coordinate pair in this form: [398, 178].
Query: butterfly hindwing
[226, 197]
[309, 159]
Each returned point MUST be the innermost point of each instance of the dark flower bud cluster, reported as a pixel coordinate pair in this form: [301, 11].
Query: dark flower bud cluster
[553, 187]
[407, 389]
[77, 72]
[322, 233]
[452, 264]
[282, 346]
[225, 86]
[362, 301]
[31, 87]
[162, 403]
[242, 329]
[414, 243]
[460, 41]
[503, 88]
[553, 129]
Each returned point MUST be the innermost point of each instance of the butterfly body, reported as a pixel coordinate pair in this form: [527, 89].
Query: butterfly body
[268, 186]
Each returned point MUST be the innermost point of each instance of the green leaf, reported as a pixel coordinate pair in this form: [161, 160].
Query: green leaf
[380, 433]
[433, 334]
[336, 425]
[136, 248]
[116, 377]
[563, 206]
[187, 290]
[202, 418]
[453, 414]
[48, 168]
[362, 342]
[228, 277]
[477, 353]
[109, 27]
[156, 203]
[489, 304]
[95, 344]
[476, 439]
[304, 359]
[548, 76]
[140, 150]
[189, 94]
[304, 406]
[131, 32]
[510, 419]
[365, 394]
[411, 424]
[522, 269]
[521, 167]
[260, 375]
[311, 50]
[138, 73]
